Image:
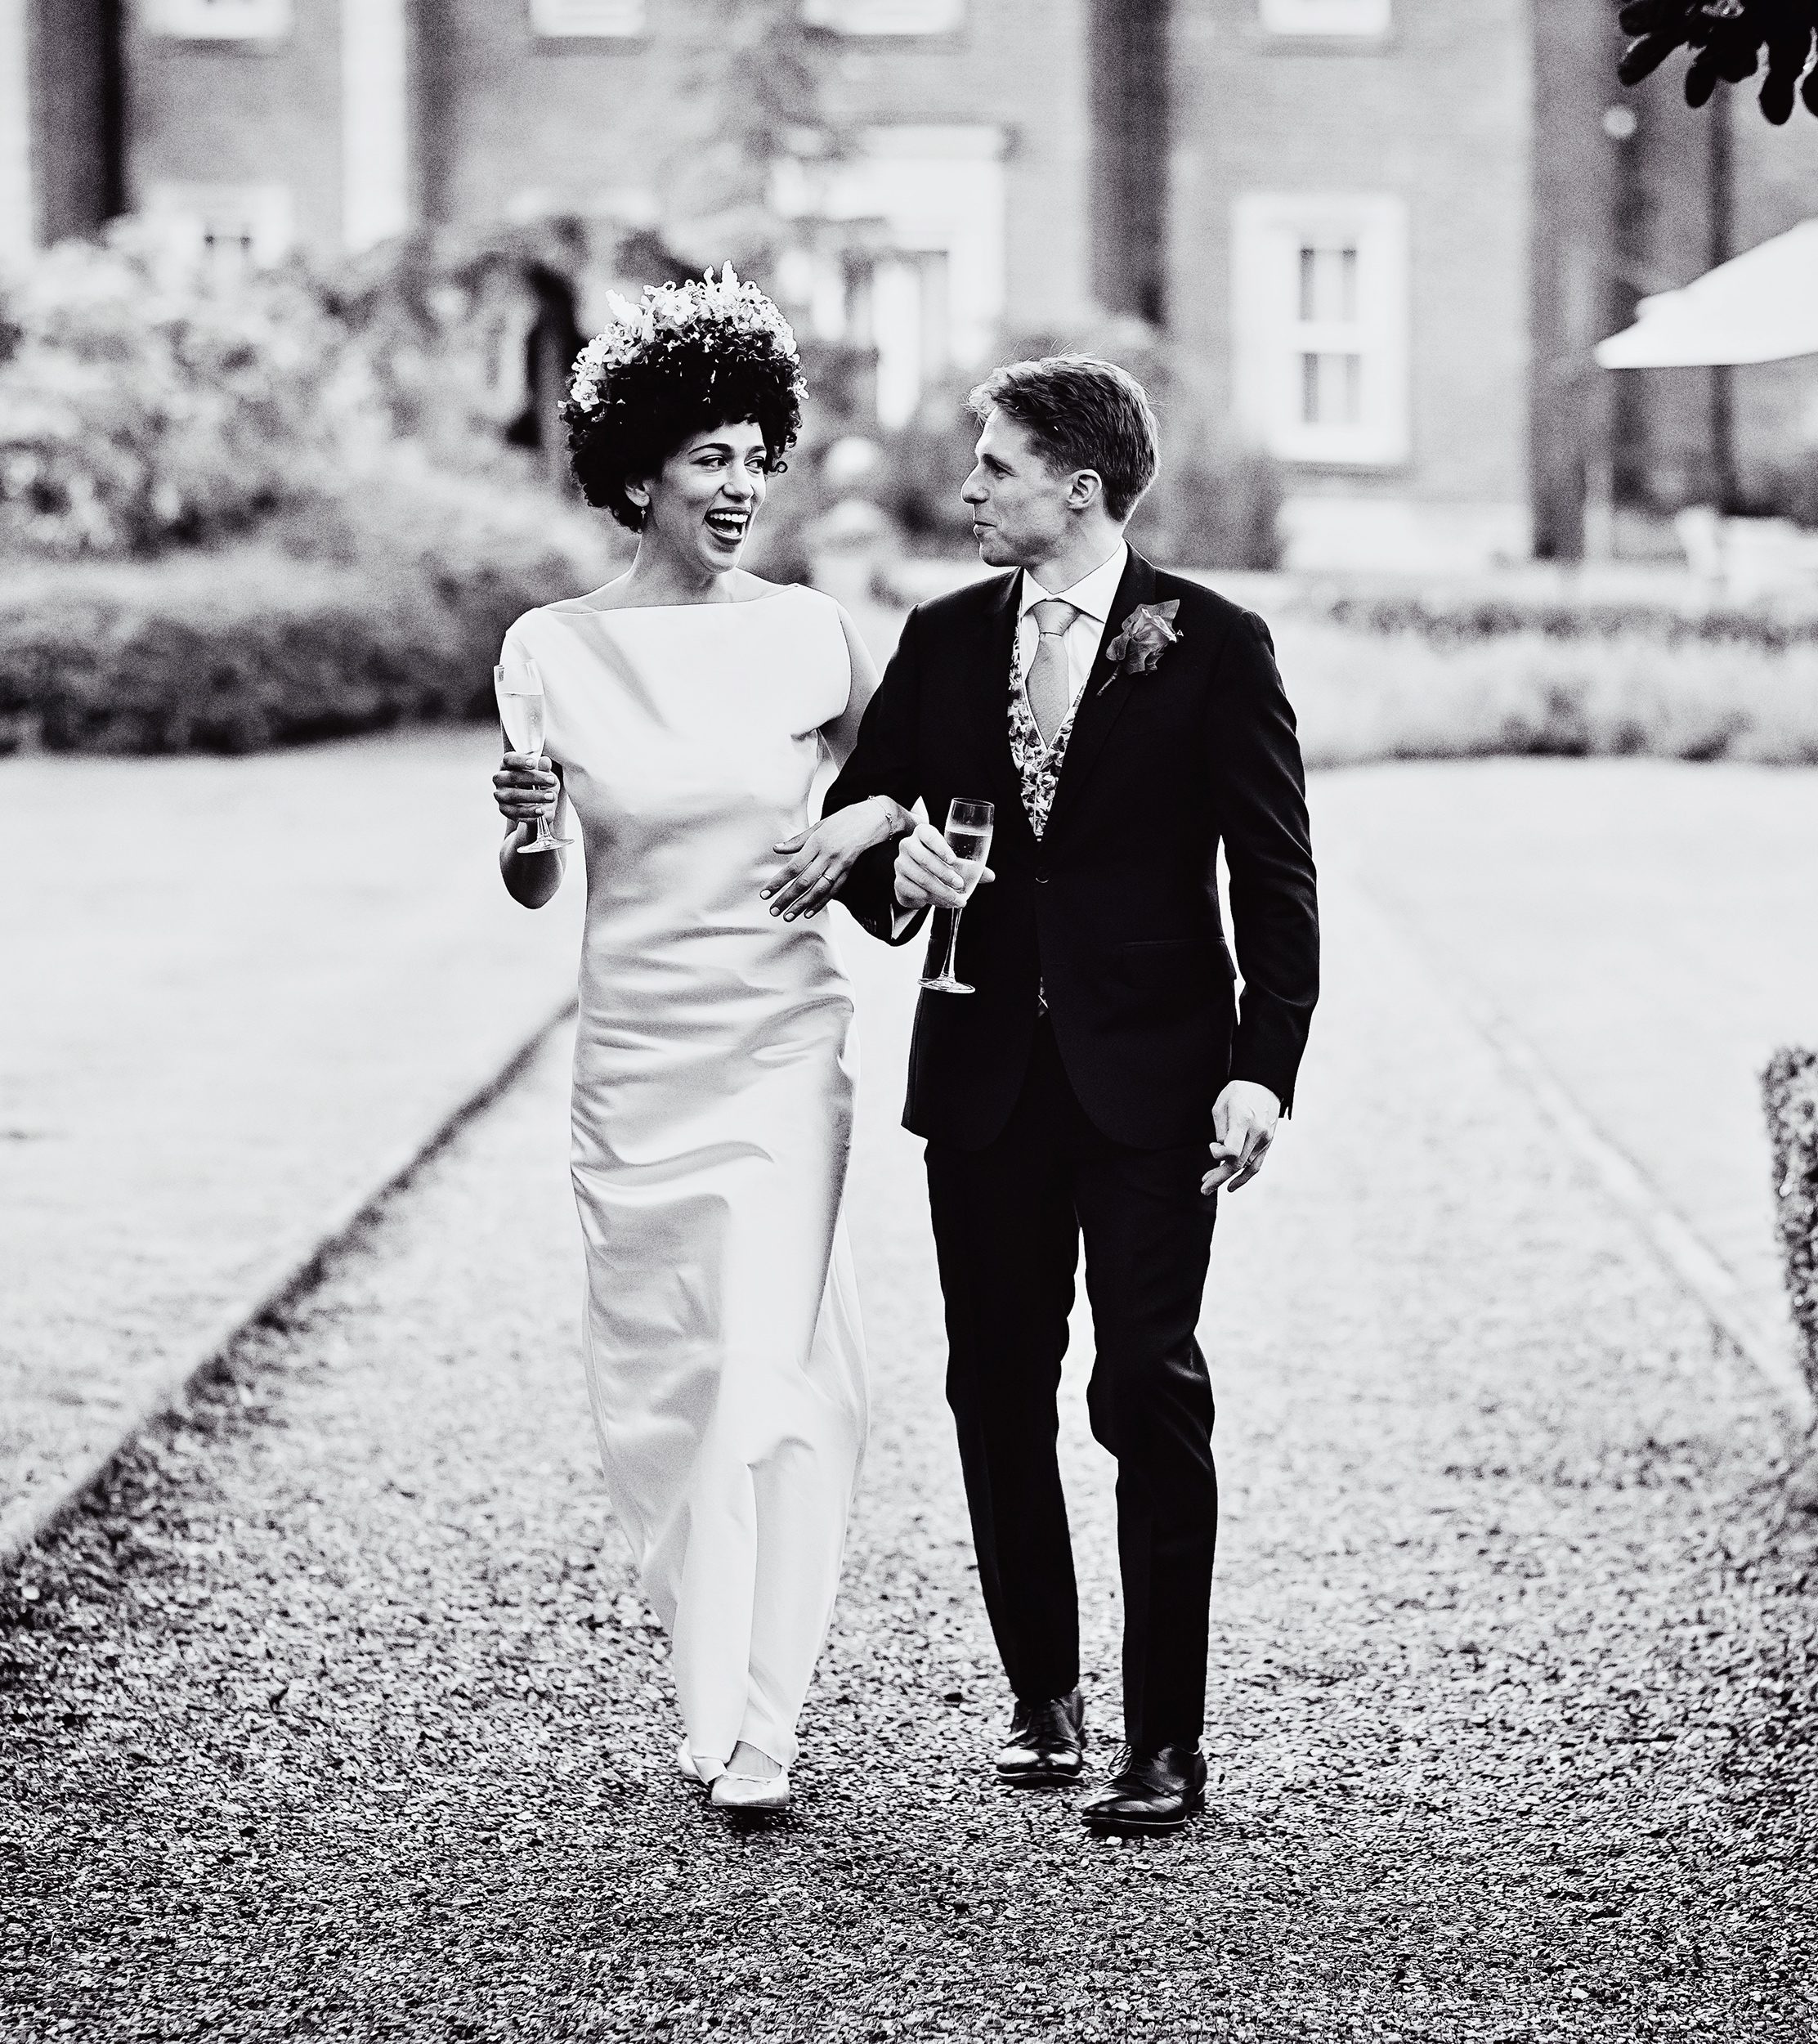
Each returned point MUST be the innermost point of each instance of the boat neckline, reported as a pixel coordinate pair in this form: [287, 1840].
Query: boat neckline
[630, 610]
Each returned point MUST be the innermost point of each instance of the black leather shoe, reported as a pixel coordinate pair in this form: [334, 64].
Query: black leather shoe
[1150, 1792]
[1047, 1743]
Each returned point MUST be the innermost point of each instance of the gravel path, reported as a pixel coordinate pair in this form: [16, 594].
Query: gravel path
[336, 1717]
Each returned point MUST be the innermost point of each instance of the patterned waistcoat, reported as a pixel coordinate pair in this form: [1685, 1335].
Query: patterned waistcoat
[1037, 765]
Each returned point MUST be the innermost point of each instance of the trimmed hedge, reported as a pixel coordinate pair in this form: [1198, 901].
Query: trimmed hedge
[1789, 1086]
[1363, 697]
[1467, 619]
[386, 609]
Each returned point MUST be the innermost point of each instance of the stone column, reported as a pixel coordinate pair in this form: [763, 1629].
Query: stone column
[375, 121]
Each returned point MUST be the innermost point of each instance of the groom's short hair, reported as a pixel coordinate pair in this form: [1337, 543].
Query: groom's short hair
[1081, 413]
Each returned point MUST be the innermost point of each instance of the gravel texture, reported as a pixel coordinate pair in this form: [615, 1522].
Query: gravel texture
[335, 1716]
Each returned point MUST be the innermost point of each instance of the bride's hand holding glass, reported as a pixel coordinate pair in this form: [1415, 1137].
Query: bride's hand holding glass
[526, 787]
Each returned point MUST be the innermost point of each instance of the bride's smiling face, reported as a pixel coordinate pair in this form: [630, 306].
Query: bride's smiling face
[699, 507]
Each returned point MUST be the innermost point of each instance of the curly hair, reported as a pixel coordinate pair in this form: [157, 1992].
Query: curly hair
[641, 411]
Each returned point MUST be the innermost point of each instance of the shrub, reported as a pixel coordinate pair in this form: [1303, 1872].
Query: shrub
[1213, 506]
[1363, 697]
[145, 402]
[1465, 616]
[384, 609]
[1787, 489]
[1789, 1087]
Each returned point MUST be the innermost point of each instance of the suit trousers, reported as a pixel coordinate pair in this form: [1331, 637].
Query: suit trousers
[1008, 1223]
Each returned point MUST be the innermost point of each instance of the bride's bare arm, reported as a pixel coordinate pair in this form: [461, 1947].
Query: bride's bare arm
[841, 735]
[818, 860]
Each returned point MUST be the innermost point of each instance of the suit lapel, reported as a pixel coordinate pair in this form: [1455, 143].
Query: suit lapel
[1106, 691]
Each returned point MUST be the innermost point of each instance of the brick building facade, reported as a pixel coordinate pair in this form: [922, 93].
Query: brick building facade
[1386, 233]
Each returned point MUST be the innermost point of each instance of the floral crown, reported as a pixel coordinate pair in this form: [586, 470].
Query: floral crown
[722, 317]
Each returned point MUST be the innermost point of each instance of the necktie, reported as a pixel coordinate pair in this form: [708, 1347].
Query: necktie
[1046, 687]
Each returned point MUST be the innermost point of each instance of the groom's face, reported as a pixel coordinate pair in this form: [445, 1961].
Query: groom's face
[1020, 506]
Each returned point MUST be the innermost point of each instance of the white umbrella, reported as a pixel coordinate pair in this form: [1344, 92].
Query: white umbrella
[1759, 308]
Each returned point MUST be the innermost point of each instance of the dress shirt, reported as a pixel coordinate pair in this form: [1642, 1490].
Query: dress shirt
[1092, 596]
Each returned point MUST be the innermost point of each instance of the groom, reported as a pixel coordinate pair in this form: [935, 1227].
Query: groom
[1104, 1081]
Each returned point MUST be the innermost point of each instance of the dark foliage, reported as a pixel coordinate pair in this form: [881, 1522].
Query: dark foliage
[318, 630]
[1729, 41]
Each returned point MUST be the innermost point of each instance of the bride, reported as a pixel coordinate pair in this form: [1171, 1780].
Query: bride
[689, 705]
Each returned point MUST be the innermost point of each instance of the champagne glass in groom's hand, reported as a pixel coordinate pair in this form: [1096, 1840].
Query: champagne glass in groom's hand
[521, 712]
[969, 828]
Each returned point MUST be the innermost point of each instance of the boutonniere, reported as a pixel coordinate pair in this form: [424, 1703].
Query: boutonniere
[1142, 639]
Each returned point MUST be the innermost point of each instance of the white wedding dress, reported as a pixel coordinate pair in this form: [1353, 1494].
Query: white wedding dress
[713, 1096]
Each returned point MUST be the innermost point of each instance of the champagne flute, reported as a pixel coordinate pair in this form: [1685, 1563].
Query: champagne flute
[521, 712]
[969, 826]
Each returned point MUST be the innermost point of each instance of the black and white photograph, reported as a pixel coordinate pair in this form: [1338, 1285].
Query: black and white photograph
[909, 1023]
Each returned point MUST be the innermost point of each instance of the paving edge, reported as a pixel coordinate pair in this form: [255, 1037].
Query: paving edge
[1699, 1270]
[287, 1275]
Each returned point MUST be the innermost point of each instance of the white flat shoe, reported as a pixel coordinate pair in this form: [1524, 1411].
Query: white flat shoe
[686, 1766]
[746, 1792]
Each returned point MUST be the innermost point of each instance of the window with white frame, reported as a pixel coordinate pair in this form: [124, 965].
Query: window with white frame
[903, 251]
[220, 21]
[1320, 291]
[885, 17]
[233, 227]
[1326, 17]
[583, 18]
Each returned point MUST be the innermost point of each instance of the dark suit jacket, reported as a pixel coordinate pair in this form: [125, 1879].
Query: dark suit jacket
[1115, 914]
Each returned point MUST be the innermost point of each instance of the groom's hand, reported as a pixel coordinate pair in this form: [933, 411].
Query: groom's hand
[928, 874]
[1243, 1121]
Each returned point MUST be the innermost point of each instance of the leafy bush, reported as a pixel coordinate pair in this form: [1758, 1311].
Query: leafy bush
[145, 402]
[1213, 506]
[383, 607]
[1787, 489]
[1363, 697]
[1789, 1088]
[1465, 617]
